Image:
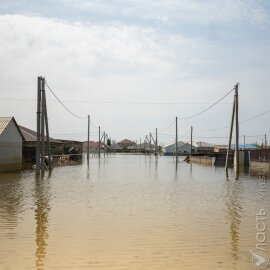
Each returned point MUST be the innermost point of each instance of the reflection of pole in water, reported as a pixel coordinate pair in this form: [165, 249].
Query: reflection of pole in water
[234, 213]
[41, 216]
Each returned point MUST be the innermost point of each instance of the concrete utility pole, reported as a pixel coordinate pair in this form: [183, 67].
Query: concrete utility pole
[234, 115]
[99, 141]
[88, 138]
[104, 142]
[191, 131]
[38, 125]
[156, 144]
[230, 138]
[176, 138]
[236, 134]
[47, 132]
[42, 126]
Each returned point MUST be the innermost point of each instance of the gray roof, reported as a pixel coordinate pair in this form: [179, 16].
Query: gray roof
[4, 121]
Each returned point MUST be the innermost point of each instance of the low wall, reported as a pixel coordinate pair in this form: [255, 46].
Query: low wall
[202, 160]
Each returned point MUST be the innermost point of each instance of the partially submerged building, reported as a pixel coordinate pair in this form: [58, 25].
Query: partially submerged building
[11, 140]
[183, 149]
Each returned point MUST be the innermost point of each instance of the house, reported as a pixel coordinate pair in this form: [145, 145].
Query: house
[125, 144]
[11, 139]
[183, 149]
[204, 147]
[220, 148]
[58, 147]
[92, 146]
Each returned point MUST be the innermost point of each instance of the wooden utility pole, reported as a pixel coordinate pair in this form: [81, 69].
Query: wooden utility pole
[236, 167]
[176, 138]
[150, 143]
[88, 138]
[244, 142]
[156, 142]
[99, 141]
[38, 126]
[191, 131]
[265, 141]
[47, 131]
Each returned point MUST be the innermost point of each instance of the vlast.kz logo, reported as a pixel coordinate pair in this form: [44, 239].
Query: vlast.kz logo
[260, 260]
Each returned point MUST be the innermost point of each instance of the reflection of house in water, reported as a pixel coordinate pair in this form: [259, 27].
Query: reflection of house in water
[11, 197]
[41, 215]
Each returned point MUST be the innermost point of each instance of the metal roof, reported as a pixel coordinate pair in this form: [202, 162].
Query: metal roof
[4, 121]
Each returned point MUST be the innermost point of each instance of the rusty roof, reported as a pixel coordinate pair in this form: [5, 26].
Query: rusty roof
[4, 121]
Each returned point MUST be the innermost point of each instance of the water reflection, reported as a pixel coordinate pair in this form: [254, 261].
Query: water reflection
[234, 211]
[42, 198]
[11, 195]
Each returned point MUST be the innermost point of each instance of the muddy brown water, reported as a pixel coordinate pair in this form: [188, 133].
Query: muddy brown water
[132, 212]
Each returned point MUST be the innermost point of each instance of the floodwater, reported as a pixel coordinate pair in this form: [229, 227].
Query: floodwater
[132, 212]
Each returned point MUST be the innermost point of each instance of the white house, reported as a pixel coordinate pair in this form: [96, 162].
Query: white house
[10, 145]
[183, 149]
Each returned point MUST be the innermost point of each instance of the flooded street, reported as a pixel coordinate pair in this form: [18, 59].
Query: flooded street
[130, 212]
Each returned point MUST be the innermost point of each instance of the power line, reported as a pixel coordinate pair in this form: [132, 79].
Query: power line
[199, 113]
[254, 117]
[63, 103]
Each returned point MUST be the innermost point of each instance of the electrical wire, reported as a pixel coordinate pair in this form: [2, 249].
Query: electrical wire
[205, 110]
[64, 104]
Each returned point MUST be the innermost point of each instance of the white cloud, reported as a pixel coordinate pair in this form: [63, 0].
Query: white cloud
[118, 62]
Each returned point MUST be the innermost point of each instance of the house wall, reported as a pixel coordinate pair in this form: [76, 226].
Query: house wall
[10, 148]
[185, 148]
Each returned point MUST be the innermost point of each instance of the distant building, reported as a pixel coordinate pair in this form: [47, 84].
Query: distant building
[93, 146]
[126, 144]
[204, 147]
[11, 139]
[183, 149]
[220, 148]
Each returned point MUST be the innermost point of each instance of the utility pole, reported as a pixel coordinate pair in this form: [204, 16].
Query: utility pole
[88, 138]
[236, 134]
[47, 131]
[265, 141]
[99, 141]
[104, 142]
[42, 125]
[140, 145]
[230, 138]
[176, 139]
[156, 144]
[244, 142]
[150, 143]
[191, 131]
[38, 126]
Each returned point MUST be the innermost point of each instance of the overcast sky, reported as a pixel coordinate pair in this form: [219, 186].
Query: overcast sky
[134, 65]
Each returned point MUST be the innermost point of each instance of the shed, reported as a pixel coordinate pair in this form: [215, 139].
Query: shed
[10, 145]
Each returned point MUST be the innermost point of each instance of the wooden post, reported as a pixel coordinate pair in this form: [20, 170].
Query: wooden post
[150, 146]
[230, 138]
[191, 131]
[88, 138]
[38, 126]
[47, 132]
[244, 142]
[176, 138]
[265, 141]
[42, 125]
[156, 144]
[236, 134]
[99, 141]
[140, 146]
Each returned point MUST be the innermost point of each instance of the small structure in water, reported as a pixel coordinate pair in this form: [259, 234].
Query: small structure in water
[11, 139]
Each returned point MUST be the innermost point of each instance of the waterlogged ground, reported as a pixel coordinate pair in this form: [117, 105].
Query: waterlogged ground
[131, 212]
